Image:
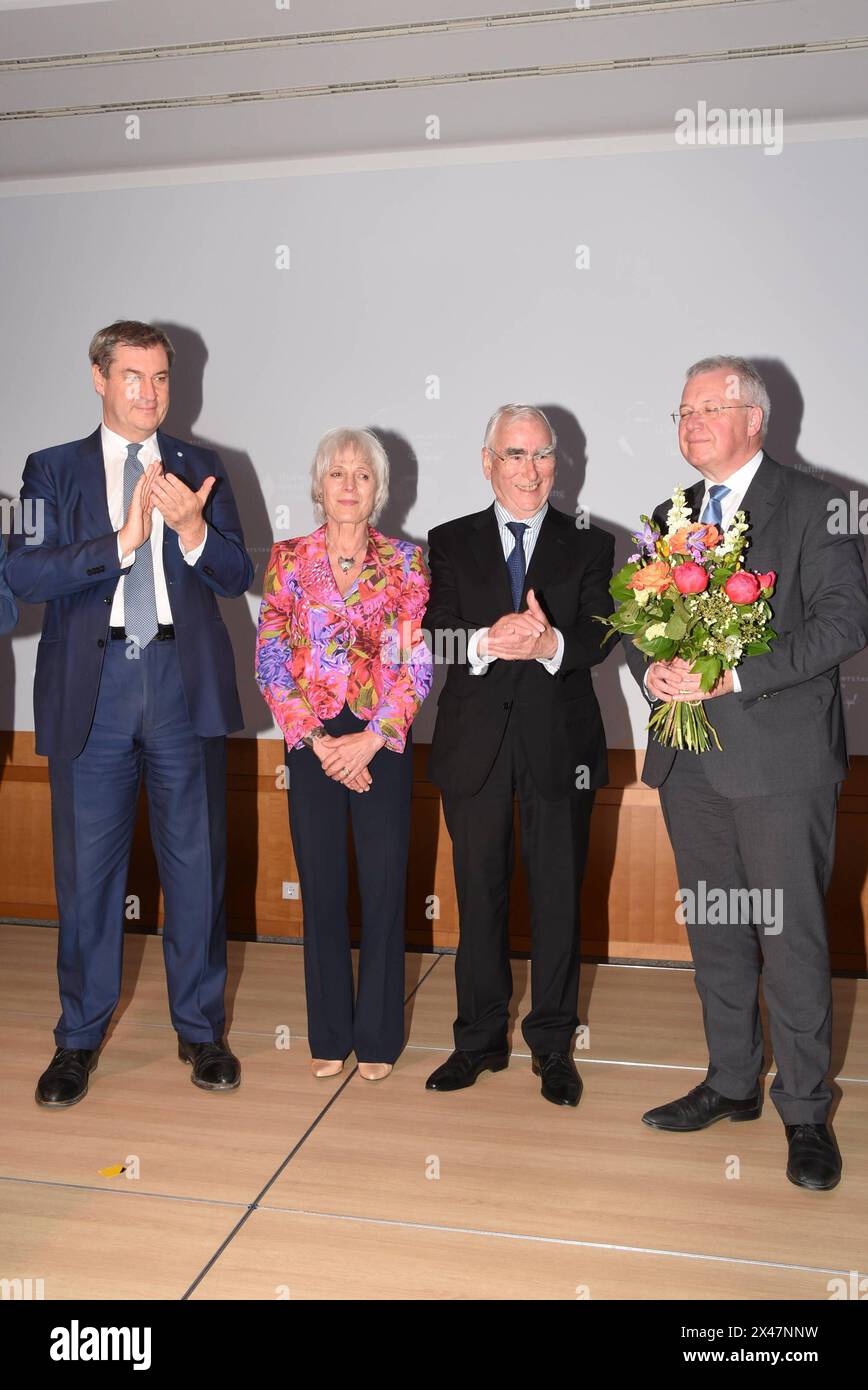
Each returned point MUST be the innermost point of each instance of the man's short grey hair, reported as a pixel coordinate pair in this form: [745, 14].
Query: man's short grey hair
[505, 414]
[361, 442]
[752, 390]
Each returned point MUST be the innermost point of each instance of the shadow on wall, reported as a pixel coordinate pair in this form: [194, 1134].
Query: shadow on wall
[782, 442]
[188, 375]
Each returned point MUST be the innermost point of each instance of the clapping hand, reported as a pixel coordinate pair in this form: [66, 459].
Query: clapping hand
[521, 636]
[182, 508]
[139, 519]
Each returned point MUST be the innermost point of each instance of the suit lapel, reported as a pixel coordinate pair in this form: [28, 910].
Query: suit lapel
[549, 553]
[762, 498]
[90, 476]
[759, 502]
[487, 551]
[693, 497]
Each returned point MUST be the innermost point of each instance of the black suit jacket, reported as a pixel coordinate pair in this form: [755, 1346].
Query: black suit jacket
[558, 716]
[785, 729]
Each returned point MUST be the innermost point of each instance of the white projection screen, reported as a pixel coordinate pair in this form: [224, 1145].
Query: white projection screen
[414, 300]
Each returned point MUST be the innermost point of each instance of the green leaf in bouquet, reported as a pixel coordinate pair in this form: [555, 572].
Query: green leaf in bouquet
[757, 648]
[676, 628]
[660, 648]
[618, 586]
[630, 612]
[680, 607]
[709, 668]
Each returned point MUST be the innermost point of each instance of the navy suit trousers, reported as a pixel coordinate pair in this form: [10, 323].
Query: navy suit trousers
[141, 730]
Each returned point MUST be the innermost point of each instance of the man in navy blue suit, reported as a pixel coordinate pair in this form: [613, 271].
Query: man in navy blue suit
[135, 678]
[8, 609]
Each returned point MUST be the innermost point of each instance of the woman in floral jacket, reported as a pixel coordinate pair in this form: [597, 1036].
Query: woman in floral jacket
[343, 667]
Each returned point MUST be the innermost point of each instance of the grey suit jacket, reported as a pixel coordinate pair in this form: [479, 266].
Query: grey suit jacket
[785, 729]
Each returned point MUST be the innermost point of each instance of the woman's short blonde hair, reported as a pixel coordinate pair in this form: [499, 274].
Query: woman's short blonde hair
[361, 442]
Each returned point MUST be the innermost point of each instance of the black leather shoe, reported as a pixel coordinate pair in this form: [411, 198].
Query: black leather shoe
[561, 1083]
[215, 1068]
[700, 1108]
[462, 1069]
[65, 1080]
[814, 1159]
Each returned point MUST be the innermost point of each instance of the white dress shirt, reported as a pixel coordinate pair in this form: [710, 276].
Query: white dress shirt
[480, 664]
[114, 452]
[738, 484]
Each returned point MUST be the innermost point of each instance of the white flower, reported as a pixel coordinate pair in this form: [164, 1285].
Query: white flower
[732, 535]
[732, 649]
[655, 630]
[679, 513]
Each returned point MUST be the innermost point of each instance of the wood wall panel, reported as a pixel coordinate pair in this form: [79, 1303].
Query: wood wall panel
[629, 901]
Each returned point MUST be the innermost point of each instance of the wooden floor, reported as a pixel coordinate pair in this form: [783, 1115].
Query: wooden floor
[296, 1188]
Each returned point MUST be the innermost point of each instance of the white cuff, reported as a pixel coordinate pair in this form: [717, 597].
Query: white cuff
[736, 683]
[125, 563]
[478, 664]
[552, 663]
[191, 556]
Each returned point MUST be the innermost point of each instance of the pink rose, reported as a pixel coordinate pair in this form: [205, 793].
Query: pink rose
[767, 581]
[690, 578]
[742, 587]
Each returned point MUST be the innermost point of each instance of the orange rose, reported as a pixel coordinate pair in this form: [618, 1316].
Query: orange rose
[709, 536]
[654, 578]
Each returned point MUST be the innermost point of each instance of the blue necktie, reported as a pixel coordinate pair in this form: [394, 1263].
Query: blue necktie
[515, 562]
[712, 513]
[140, 598]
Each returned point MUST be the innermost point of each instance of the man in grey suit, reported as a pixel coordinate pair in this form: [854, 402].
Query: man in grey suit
[757, 819]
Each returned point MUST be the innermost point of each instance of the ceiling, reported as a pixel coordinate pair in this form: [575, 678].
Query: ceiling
[217, 82]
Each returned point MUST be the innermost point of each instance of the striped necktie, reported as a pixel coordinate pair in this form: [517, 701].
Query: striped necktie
[140, 598]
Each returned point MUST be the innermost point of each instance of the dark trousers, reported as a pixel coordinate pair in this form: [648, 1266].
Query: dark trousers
[783, 844]
[373, 1025]
[140, 730]
[554, 844]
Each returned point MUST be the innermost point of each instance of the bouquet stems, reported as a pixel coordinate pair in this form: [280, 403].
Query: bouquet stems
[683, 724]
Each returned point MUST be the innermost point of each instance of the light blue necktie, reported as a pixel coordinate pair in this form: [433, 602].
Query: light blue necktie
[515, 561]
[712, 513]
[140, 598]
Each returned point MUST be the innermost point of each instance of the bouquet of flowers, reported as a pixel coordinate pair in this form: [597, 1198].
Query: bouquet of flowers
[686, 594]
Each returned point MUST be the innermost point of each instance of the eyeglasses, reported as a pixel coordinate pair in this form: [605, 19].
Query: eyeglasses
[516, 457]
[709, 412]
